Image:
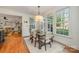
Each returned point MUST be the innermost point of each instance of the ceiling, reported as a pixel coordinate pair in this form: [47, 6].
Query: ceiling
[44, 10]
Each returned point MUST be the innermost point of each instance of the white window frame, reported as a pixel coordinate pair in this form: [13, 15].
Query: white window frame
[68, 21]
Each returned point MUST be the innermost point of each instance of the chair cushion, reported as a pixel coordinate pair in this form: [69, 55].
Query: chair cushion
[47, 41]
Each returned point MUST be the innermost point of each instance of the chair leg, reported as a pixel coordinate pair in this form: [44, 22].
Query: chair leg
[35, 44]
[31, 40]
[52, 40]
[40, 45]
[45, 47]
[50, 44]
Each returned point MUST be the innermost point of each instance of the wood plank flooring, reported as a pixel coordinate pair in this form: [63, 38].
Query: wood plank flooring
[13, 43]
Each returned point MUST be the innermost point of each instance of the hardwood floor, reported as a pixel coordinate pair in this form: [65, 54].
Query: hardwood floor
[71, 50]
[13, 43]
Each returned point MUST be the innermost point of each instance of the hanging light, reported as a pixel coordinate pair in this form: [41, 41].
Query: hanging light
[38, 17]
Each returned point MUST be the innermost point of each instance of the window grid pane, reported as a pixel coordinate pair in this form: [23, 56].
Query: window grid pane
[62, 23]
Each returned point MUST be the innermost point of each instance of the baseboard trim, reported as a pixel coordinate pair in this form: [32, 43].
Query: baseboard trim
[26, 36]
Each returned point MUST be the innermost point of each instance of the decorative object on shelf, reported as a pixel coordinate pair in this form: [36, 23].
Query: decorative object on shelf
[5, 18]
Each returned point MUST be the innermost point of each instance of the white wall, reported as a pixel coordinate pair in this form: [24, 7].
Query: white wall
[25, 17]
[73, 39]
[25, 26]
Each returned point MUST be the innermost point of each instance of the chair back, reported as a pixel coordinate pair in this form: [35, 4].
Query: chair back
[48, 35]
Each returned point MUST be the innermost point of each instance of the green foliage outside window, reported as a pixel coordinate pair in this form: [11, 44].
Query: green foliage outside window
[62, 22]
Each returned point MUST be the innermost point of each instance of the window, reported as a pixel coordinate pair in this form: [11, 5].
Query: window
[62, 21]
[50, 23]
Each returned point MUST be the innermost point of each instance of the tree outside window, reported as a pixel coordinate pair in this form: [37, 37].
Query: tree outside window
[62, 21]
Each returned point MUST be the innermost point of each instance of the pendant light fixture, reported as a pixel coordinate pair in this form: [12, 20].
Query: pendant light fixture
[38, 17]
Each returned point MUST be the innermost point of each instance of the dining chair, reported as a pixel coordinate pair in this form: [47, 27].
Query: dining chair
[36, 39]
[46, 41]
[31, 37]
[52, 37]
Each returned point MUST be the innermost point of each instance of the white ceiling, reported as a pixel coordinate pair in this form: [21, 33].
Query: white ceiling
[44, 10]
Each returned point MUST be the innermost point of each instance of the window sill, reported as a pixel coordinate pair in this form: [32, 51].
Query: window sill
[63, 36]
